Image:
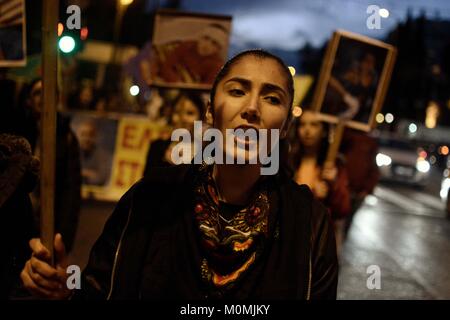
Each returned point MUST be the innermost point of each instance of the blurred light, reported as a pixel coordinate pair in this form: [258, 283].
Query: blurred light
[446, 172]
[432, 113]
[443, 150]
[126, 2]
[292, 70]
[432, 159]
[412, 128]
[297, 111]
[371, 200]
[66, 44]
[384, 13]
[84, 33]
[444, 188]
[389, 118]
[383, 160]
[422, 165]
[423, 154]
[379, 118]
[134, 90]
[60, 29]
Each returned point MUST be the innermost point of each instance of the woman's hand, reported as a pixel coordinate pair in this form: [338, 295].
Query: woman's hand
[329, 172]
[321, 189]
[40, 278]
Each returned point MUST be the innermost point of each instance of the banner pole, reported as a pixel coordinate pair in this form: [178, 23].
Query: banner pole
[333, 149]
[50, 13]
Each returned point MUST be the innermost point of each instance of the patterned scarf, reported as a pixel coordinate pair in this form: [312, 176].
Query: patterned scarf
[230, 245]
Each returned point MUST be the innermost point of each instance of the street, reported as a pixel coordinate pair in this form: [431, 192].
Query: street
[403, 231]
[400, 229]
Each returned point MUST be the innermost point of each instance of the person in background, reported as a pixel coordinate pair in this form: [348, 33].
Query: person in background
[67, 165]
[19, 173]
[360, 150]
[84, 98]
[159, 108]
[327, 181]
[188, 107]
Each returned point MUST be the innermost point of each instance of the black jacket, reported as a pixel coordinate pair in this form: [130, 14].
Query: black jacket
[18, 176]
[67, 176]
[148, 246]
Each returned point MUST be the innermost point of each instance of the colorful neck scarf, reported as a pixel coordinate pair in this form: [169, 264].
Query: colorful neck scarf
[230, 245]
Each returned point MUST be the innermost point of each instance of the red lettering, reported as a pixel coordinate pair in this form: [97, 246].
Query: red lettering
[145, 138]
[126, 169]
[129, 134]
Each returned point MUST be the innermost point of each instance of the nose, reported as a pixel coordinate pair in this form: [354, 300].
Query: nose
[251, 112]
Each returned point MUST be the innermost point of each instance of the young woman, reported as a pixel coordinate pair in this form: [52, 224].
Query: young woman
[327, 181]
[211, 231]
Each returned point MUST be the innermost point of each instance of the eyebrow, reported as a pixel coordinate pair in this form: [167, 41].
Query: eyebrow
[266, 86]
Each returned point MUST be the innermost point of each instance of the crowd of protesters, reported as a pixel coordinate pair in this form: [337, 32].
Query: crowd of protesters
[340, 185]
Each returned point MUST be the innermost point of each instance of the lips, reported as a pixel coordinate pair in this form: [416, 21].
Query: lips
[246, 127]
[244, 139]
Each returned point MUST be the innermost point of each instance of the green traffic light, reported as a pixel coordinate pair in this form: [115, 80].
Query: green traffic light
[66, 44]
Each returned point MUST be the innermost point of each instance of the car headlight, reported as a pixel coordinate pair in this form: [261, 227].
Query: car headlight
[444, 188]
[423, 165]
[383, 160]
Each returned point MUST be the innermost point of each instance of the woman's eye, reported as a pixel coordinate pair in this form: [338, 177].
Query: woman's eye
[273, 100]
[236, 92]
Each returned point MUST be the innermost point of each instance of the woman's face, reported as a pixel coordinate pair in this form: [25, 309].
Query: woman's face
[185, 114]
[86, 96]
[310, 129]
[254, 94]
[35, 99]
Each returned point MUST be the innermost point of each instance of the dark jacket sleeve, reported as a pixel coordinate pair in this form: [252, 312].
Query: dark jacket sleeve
[324, 263]
[137, 207]
[96, 277]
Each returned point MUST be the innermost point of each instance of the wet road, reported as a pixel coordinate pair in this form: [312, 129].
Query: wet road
[401, 230]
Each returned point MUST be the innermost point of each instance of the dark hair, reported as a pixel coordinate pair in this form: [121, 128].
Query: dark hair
[195, 98]
[261, 54]
[298, 150]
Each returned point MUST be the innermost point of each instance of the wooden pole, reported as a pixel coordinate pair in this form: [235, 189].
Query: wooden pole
[50, 13]
[336, 142]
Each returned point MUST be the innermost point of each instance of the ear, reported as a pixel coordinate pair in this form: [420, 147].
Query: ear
[209, 114]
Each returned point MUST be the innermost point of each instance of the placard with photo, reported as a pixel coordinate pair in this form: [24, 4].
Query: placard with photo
[353, 80]
[12, 33]
[188, 49]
